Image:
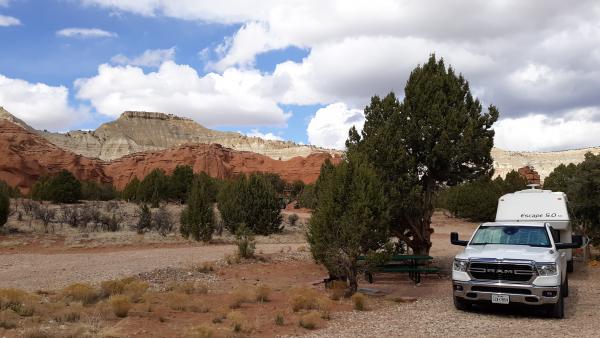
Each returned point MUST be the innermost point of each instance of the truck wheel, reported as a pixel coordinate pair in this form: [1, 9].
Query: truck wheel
[565, 287]
[557, 310]
[570, 266]
[462, 304]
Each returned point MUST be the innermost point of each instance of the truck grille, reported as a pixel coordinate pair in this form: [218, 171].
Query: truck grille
[501, 271]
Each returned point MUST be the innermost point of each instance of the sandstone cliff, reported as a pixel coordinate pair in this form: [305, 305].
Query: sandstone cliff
[26, 156]
[133, 132]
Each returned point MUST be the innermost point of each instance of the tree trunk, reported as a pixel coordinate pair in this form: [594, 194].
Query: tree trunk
[353, 278]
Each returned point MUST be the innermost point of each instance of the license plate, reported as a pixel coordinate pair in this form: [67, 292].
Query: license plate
[500, 299]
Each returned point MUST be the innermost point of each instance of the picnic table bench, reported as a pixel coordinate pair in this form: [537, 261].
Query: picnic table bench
[414, 265]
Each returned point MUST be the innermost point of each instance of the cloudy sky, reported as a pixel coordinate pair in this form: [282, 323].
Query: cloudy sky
[301, 70]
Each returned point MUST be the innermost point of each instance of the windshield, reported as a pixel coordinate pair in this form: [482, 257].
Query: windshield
[511, 235]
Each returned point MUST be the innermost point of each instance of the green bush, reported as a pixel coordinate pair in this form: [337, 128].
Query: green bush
[129, 193]
[252, 201]
[180, 183]
[145, 219]
[4, 207]
[197, 219]
[9, 191]
[153, 188]
[60, 188]
[93, 191]
[244, 240]
[307, 198]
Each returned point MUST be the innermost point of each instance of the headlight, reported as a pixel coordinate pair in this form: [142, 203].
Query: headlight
[546, 269]
[459, 265]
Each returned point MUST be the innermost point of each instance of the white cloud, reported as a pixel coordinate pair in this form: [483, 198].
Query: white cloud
[6, 21]
[85, 33]
[235, 97]
[330, 125]
[150, 58]
[541, 133]
[264, 136]
[39, 105]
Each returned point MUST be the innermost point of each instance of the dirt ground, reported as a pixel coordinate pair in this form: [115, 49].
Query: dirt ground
[49, 262]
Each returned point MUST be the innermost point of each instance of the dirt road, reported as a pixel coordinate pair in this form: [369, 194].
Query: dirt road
[33, 271]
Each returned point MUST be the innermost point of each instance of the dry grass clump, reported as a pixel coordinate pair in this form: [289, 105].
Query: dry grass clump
[360, 302]
[80, 292]
[238, 297]
[263, 292]
[37, 333]
[338, 290]
[130, 286]
[120, 305]
[190, 287]
[8, 320]
[238, 321]
[279, 321]
[304, 299]
[19, 301]
[180, 301]
[205, 267]
[62, 313]
[232, 259]
[201, 332]
[310, 320]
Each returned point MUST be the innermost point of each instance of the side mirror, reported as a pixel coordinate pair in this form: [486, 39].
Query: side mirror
[454, 239]
[577, 242]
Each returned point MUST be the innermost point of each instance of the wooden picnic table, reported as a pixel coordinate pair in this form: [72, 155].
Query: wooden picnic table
[414, 265]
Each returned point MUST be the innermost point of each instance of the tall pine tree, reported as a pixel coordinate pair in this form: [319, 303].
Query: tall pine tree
[197, 219]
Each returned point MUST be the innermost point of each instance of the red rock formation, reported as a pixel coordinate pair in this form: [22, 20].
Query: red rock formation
[529, 173]
[25, 156]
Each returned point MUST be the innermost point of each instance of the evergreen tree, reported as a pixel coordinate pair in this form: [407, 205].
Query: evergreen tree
[351, 218]
[93, 191]
[437, 136]
[197, 218]
[561, 178]
[60, 188]
[129, 193]
[153, 188]
[4, 207]
[231, 202]
[514, 182]
[584, 197]
[180, 182]
[145, 219]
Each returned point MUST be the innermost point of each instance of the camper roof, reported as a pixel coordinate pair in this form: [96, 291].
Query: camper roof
[533, 205]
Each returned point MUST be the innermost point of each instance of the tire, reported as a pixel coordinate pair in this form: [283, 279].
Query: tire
[565, 287]
[570, 266]
[462, 304]
[557, 310]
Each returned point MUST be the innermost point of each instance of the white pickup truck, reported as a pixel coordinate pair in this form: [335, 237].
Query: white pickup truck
[518, 261]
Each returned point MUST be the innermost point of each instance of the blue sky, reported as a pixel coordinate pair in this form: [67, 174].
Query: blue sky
[299, 70]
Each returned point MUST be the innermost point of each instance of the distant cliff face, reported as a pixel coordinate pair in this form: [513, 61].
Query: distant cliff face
[542, 162]
[26, 156]
[133, 132]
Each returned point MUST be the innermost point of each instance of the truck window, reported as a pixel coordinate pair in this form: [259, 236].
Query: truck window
[512, 235]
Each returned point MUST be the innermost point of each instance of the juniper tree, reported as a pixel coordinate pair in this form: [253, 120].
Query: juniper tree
[197, 218]
[350, 219]
[438, 135]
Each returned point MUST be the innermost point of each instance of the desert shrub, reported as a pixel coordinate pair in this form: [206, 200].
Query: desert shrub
[279, 320]
[153, 188]
[38, 333]
[129, 193]
[162, 221]
[201, 332]
[68, 314]
[120, 305]
[304, 299]
[252, 201]
[239, 296]
[197, 219]
[4, 208]
[292, 219]
[71, 215]
[60, 188]
[115, 286]
[18, 301]
[310, 320]
[244, 239]
[263, 292]
[94, 191]
[144, 219]
[238, 320]
[296, 188]
[46, 214]
[91, 214]
[205, 267]
[80, 292]
[338, 290]
[359, 301]
[111, 222]
[11, 192]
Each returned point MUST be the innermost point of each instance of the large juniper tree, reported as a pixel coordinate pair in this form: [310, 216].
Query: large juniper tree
[438, 135]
